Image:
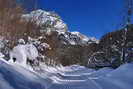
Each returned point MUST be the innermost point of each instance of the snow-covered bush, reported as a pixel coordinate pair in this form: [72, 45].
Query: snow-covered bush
[23, 53]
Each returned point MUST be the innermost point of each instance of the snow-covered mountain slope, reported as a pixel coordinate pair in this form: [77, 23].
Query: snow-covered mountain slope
[14, 76]
[76, 38]
[48, 19]
[49, 22]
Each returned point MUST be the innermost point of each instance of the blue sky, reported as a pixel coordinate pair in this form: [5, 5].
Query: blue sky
[90, 17]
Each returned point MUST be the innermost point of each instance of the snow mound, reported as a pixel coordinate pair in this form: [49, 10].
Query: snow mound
[21, 53]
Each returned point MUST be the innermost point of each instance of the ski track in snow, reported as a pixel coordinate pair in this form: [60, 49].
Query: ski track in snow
[72, 77]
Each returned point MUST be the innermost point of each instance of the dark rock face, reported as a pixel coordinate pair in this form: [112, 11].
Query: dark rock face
[110, 49]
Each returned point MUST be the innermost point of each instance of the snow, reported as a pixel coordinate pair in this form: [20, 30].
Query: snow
[31, 51]
[23, 52]
[69, 77]
[16, 77]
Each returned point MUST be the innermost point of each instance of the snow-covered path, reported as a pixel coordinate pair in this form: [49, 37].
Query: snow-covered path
[76, 77]
[72, 77]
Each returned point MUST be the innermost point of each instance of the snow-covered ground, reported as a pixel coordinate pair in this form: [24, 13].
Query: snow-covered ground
[15, 76]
